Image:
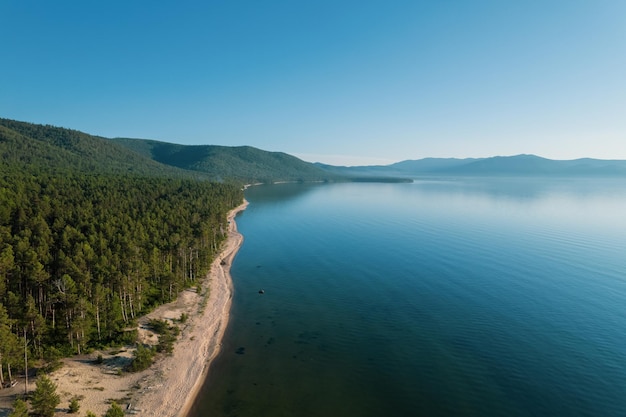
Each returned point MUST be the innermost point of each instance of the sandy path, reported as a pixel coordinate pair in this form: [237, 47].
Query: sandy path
[168, 387]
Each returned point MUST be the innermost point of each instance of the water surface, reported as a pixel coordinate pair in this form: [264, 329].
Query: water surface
[437, 298]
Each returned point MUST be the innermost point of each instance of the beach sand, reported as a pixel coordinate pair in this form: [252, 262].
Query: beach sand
[170, 385]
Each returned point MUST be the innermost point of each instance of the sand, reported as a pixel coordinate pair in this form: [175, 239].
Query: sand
[170, 385]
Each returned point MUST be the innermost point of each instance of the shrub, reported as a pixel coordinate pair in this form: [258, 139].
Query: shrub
[114, 411]
[74, 406]
[143, 359]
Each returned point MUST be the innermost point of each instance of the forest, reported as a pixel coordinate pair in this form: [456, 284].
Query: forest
[84, 253]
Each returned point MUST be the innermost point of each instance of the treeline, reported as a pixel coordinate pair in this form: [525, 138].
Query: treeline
[82, 256]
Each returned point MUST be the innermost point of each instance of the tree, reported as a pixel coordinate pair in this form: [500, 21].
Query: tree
[114, 411]
[45, 398]
[8, 343]
[74, 406]
[20, 409]
[143, 358]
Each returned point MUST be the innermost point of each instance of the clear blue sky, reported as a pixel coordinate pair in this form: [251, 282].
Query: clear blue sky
[341, 81]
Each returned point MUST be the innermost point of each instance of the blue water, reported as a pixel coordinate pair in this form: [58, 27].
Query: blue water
[436, 298]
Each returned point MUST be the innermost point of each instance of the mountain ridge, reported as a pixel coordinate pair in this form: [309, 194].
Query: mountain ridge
[243, 162]
[515, 165]
[26, 144]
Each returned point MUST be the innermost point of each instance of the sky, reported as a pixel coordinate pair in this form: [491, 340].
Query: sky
[344, 82]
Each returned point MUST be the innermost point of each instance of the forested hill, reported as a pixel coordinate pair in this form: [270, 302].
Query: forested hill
[244, 163]
[92, 236]
[53, 149]
[59, 149]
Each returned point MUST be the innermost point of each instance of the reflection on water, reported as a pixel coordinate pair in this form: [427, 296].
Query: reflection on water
[457, 297]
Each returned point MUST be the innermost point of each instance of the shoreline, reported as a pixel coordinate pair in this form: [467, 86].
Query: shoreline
[170, 386]
[186, 370]
[223, 262]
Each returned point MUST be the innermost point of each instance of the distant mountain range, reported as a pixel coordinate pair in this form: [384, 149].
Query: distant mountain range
[26, 145]
[518, 165]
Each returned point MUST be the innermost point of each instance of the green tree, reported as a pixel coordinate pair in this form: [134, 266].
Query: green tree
[20, 409]
[114, 411]
[45, 397]
[74, 406]
[143, 358]
[8, 344]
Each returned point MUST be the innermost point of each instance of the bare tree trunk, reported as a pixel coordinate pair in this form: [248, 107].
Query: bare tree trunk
[98, 319]
[25, 363]
[1, 375]
[130, 306]
[123, 309]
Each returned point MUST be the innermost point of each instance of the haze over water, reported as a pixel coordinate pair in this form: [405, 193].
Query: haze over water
[437, 298]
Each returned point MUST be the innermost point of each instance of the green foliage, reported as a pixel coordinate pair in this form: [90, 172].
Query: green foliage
[90, 414]
[62, 150]
[167, 335]
[159, 326]
[20, 409]
[166, 341]
[74, 406]
[114, 411]
[52, 366]
[143, 358]
[92, 236]
[242, 163]
[45, 398]
[10, 349]
[82, 257]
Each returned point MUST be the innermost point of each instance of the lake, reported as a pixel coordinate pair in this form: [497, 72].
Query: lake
[458, 297]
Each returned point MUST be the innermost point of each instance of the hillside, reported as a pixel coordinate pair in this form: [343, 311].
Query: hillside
[93, 236]
[243, 163]
[28, 146]
[54, 149]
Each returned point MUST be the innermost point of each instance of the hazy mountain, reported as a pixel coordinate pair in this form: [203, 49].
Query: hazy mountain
[518, 165]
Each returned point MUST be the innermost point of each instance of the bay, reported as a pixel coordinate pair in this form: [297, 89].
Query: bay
[463, 297]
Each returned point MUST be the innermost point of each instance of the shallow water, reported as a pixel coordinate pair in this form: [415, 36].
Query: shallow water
[458, 297]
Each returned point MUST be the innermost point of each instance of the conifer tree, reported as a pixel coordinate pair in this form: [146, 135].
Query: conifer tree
[74, 406]
[8, 343]
[20, 409]
[114, 411]
[45, 398]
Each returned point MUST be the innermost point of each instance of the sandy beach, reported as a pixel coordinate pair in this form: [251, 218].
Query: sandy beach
[170, 385]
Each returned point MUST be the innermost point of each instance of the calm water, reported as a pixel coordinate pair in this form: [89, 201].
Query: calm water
[437, 298]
